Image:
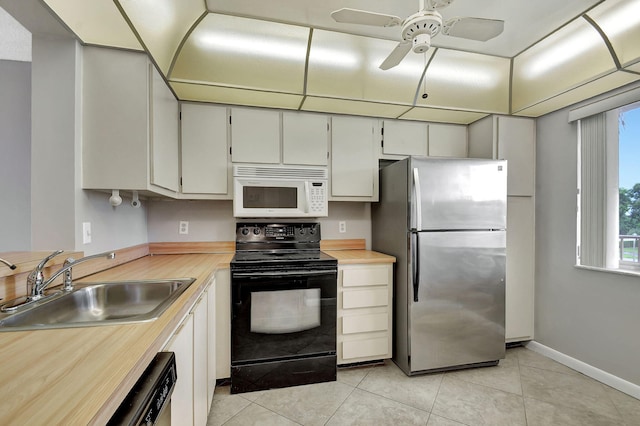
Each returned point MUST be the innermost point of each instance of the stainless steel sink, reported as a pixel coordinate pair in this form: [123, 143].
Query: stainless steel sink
[94, 304]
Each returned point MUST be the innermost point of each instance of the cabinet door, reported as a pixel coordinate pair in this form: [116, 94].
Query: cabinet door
[519, 304]
[481, 140]
[205, 167]
[404, 138]
[255, 136]
[182, 398]
[115, 126]
[200, 363]
[164, 134]
[354, 168]
[211, 341]
[223, 324]
[447, 140]
[304, 138]
[516, 143]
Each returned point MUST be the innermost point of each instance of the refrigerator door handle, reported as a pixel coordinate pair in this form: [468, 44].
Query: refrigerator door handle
[416, 266]
[418, 203]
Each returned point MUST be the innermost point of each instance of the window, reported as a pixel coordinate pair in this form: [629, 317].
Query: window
[609, 189]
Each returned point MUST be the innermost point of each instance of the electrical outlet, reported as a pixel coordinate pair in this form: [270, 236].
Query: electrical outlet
[342, 227]
[86, 232]
[184, 227]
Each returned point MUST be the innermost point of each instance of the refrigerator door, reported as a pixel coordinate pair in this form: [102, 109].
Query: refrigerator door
[458, 194]
[456, 312]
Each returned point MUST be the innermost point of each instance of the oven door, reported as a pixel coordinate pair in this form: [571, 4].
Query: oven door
[278, 315]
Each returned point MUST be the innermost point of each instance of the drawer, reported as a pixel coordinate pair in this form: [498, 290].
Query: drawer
[365, 298]
[365, 348]
[371, 275]
[365, 323]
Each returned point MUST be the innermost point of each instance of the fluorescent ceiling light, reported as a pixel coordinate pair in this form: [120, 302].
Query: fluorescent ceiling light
[240, 43]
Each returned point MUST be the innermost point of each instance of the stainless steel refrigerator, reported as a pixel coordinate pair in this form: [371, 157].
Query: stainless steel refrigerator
[445, 222]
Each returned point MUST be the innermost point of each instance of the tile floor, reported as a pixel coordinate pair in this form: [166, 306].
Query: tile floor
[524, 389]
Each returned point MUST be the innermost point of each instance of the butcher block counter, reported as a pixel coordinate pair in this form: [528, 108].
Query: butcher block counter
[78, 376]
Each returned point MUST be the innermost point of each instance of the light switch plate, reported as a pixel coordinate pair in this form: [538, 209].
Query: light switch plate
[86, 232]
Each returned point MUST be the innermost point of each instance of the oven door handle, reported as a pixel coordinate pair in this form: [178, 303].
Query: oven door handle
[282, 273]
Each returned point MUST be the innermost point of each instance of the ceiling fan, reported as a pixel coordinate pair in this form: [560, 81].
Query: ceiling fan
[419, 28]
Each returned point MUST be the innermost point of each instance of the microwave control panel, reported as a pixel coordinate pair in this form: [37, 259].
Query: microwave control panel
[318, 196]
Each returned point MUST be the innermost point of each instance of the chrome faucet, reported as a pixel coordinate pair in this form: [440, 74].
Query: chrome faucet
[9, 264]
[37, 284]
[67, 284]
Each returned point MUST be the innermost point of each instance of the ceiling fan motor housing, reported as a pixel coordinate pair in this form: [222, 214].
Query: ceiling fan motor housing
[420, 27]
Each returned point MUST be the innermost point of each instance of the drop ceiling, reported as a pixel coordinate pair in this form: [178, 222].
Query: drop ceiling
[291, 54]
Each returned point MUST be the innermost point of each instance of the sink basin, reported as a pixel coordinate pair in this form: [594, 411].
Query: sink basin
[104, 303]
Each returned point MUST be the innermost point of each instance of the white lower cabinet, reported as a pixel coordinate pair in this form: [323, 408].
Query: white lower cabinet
[182, 398]
[364, 327]
[223, 324]
[211, 341]
[191, 398]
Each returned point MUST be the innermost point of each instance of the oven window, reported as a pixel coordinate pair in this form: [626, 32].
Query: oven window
[285, 311]
[272, 197]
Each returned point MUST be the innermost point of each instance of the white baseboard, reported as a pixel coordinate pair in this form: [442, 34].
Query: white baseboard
[586, 369]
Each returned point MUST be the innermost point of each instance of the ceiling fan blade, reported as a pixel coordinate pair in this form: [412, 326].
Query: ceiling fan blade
[396, 55]
[480, 29]
[362, 17]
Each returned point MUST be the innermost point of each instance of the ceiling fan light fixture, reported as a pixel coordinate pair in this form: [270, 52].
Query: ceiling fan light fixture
[421, 43]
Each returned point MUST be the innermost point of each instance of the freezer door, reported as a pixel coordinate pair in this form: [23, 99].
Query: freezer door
[456, 314]
[458, 194]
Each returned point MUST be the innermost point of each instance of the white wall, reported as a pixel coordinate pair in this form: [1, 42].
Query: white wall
[588, 315]
[214, 221]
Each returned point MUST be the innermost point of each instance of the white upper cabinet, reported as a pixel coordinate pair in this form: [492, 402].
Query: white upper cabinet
[404, 138]
[205, 162]
[305, 138]
[129, 124]
[447, 140]
[255, 136]
[507, 138]
[516, 143]
[164, 134]
[354, 163]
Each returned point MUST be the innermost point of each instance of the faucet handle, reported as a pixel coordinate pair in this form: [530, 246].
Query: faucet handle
[48, 258]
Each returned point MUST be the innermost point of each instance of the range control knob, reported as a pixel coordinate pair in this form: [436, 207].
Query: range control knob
[302, 231]
[256, 231]
[312, 230]
[245, 231]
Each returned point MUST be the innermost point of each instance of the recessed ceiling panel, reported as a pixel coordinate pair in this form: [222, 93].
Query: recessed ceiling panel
[228, 95]
[466, 81]
[343, 106]
[244, 53]
[162, 24]
[96, 22]
[619, 19]
[347, 66]
[442, 115]
[586, 91]
[571, 57]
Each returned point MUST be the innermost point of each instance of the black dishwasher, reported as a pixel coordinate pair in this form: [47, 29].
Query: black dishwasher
[148, 402]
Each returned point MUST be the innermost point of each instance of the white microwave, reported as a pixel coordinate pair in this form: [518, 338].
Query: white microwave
[280, 191]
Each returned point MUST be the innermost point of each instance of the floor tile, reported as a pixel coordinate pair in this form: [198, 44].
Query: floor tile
[502, 378]
[225, 406]
[533, 359]
[308, 405]
[570, 390]
[352, 376]
[258, 416]
[541, 413]
[628, 406]
[389, 381]
[474, 404]
[366, 409]
[435, 420]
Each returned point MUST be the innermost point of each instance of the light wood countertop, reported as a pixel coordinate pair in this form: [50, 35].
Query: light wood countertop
[79, 376]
